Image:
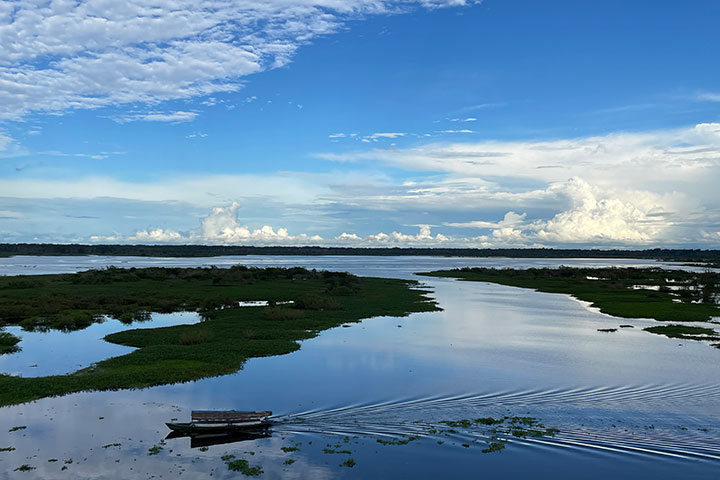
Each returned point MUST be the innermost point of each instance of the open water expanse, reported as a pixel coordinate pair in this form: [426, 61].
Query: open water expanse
[627, 404]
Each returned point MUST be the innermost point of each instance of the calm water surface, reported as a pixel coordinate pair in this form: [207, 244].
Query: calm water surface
[629, 404]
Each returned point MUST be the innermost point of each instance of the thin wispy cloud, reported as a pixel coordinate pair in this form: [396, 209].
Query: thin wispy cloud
[5, 141]
[708, 97]
[169, 117]
[375, 136]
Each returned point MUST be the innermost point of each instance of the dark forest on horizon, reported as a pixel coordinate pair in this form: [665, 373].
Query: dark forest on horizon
[681, 255]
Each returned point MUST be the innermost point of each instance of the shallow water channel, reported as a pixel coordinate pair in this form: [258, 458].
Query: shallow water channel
[629, 403]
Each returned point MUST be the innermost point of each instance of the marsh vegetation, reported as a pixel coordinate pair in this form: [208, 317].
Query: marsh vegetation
[218, 345]
[663, 295]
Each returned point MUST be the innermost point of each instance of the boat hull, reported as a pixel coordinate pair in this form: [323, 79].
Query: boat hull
[195, 427]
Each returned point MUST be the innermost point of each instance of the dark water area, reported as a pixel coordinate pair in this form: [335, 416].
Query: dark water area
[627, 404]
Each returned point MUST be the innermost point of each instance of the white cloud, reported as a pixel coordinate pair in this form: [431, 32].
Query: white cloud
[375, 136]
[595, 216]
[466, 119]
[464, 130]
[423, 237]
[203, 191]
[196, 135]
[708, 97]
[7, 214]
[656, 160]
[5, 142]
[172, 117]
[63, 55]
[510, 219]
[156, 235]
[221, 226]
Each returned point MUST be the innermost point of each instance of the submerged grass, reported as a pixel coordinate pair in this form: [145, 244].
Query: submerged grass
[8, 342]
[218, 345]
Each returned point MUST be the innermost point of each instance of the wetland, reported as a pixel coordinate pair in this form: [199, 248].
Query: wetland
[503, 380]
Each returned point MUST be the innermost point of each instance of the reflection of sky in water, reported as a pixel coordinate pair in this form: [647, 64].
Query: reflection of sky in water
[493, 350]
[55, 352]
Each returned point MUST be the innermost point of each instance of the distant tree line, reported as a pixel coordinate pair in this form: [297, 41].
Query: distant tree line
[682, 255]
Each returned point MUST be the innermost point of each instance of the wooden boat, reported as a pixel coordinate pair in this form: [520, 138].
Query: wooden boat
[222, 421]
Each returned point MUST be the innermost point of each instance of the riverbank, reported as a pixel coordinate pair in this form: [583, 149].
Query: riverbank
[663, 295]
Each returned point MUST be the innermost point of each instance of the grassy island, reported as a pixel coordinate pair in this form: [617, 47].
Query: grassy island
[218, 345]
[663, 295]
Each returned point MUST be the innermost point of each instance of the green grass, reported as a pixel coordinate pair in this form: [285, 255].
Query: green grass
[218, 345]
[685, 332]
[613, 293]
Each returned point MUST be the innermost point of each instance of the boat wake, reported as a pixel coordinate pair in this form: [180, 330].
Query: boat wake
[629, 420]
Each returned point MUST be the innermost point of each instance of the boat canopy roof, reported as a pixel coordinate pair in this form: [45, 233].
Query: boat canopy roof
[228, 415]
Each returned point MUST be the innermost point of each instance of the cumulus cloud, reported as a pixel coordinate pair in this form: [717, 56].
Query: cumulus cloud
[423, 237]
[62, 55]
[683, 161]
[220, 226]
[595, 216]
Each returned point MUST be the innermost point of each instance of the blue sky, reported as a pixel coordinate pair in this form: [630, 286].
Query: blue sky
[361, 122]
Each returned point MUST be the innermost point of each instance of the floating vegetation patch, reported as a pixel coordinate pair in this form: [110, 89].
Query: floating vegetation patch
[398, 441]
[495, 446]
[348, 463]
[607, 330]
[289, 449]
[289, 461]
[519, 427]
[241, 465]
[332, 450]
[15, 429]
[24, 468]
[155, 449]
[7, 449]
